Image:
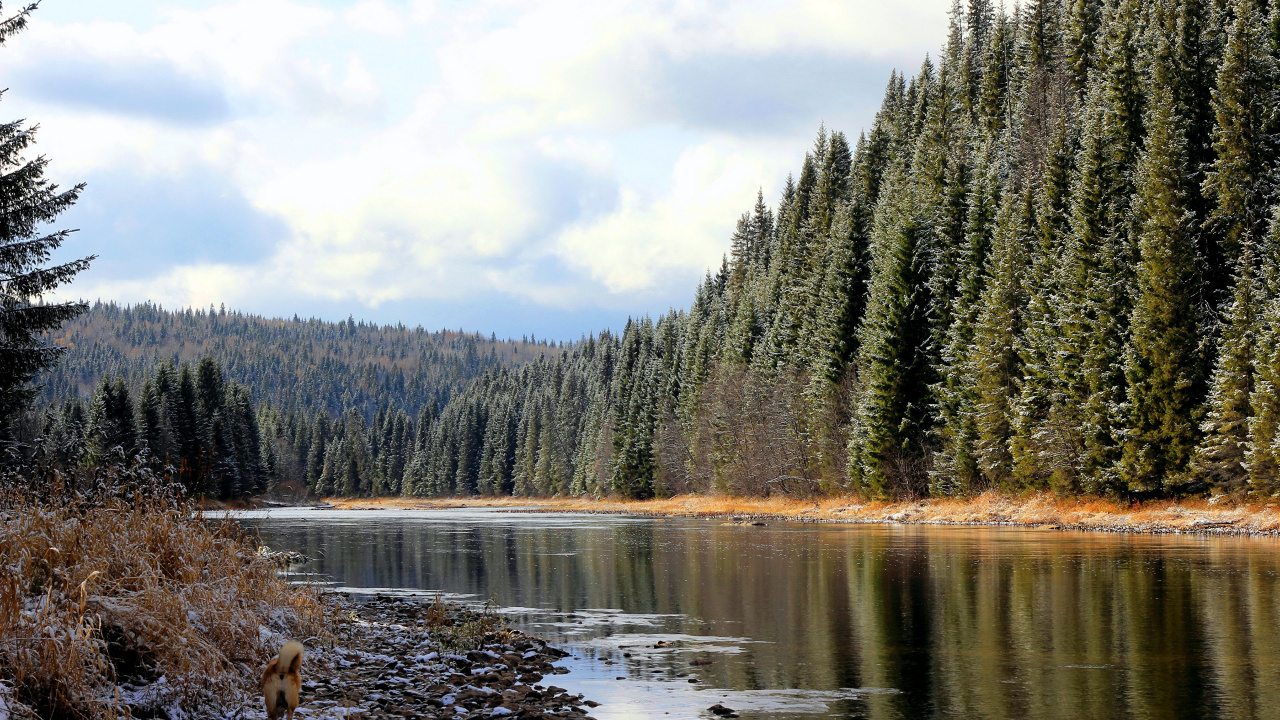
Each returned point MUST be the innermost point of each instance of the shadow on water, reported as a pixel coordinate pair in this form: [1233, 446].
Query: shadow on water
[805, 621]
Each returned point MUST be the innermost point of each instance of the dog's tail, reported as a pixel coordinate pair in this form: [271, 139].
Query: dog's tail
[290, 657]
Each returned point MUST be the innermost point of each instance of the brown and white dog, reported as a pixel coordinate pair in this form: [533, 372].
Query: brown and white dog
[282, 680]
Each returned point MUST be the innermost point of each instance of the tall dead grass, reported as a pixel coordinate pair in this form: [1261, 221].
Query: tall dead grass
[135, 602]
[1029, 510]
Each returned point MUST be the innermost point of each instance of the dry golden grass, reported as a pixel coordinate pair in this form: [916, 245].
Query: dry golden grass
[96, 597]
[1030, 510]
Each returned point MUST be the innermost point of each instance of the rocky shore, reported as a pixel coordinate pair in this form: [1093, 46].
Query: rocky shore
[409, 658]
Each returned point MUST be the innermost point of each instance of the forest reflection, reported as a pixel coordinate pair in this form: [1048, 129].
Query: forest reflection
[962, 622]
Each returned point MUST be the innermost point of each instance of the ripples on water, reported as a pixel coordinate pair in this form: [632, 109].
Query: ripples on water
[805, 621]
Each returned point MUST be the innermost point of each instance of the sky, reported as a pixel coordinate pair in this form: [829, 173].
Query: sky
[540, 167]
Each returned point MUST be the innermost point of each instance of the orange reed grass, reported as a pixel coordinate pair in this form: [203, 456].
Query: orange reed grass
[98, 602]
[1030, 510]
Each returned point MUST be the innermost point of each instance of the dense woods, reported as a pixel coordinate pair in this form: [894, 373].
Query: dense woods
[233, 404]
[305, 365]
[1051, 263]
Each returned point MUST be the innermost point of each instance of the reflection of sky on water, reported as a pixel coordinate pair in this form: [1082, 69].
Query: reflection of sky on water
[799, 621]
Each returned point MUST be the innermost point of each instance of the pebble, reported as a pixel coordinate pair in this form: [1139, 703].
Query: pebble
[385, 664]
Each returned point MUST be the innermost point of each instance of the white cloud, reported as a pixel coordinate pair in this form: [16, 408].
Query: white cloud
[375, 16]
[638, 247]
[179, 286]
[452, 152]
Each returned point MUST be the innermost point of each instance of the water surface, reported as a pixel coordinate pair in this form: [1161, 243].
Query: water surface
[803, 621]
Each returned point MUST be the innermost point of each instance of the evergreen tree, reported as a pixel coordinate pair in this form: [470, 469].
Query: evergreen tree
[1241, 180]
[1251, 338]
[28, 201]
[995, 361]
[112, 433]
[1222, 455]
[888, 451]
[1162, 363]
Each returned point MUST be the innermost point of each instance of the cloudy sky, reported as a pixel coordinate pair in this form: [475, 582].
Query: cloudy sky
[545, 167]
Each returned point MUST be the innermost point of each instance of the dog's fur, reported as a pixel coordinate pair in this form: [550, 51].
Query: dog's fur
[282, 680]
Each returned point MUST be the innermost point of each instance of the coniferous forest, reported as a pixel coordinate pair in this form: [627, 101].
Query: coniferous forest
[1052, 262]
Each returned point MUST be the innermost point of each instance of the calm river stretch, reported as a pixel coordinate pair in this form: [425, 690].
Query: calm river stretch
[802, 621]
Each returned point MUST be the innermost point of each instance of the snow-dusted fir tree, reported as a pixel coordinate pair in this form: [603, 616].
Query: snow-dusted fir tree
[28, 202]
[1162, 360]
[1220, 458]
[1240, 183]
[1262, 409]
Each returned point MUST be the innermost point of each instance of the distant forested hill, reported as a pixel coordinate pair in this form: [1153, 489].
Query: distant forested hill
[295, 365]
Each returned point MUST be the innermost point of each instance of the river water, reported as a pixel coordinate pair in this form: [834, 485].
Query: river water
[803, 621]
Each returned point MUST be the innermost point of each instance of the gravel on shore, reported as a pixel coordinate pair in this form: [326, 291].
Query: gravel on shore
[395, 657]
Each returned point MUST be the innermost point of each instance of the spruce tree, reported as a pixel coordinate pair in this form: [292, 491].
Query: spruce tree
[28, 202]
[1241, 181]
[1221, 457]
[1083, 21]
[1260, 403]
[112, 433]
[1162, 360]
[889, 451]
[1000, 321]
[955, 468]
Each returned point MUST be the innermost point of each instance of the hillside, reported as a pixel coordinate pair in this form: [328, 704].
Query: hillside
[293, 364]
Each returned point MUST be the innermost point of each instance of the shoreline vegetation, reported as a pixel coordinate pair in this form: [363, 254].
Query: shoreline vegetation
[122, 606]
[1033, 511]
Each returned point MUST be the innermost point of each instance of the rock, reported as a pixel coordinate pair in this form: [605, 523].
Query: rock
[388, 665]
[1205, 522]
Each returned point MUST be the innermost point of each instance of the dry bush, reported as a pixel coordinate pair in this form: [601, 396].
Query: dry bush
[459, 629]
[98, 600]
[752, 434]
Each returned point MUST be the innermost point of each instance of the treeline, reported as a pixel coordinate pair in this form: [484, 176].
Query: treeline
[1050, 263]
[296, 365]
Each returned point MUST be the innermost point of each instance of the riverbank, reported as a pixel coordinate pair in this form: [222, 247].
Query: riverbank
[1039, 510]
[137, 608]
[112, 608]
[416, 658]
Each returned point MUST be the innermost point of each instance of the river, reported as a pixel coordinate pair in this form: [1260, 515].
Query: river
[793, 620]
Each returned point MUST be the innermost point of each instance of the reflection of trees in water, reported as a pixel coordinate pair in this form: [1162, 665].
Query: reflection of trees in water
[966, 623]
